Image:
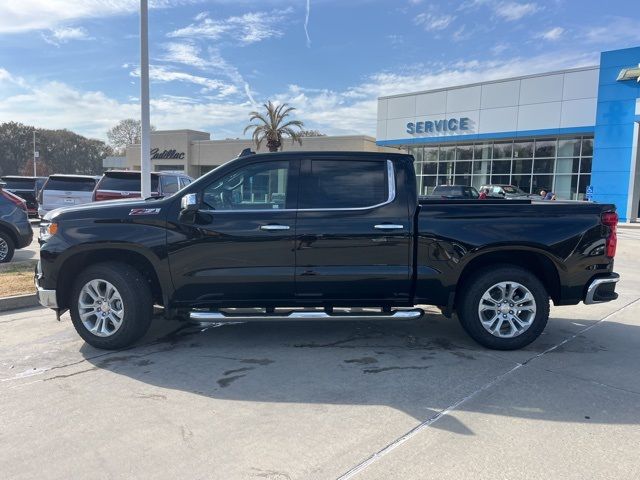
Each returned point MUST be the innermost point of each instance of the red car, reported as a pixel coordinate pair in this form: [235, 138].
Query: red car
[116, 184]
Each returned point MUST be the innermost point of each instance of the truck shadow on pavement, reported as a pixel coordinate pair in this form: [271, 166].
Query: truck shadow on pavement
[420, 368]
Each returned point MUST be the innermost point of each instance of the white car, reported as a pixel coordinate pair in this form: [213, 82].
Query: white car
[61, 191]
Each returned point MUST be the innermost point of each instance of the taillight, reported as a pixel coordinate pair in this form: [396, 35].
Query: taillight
[610, 219]
[16, 200]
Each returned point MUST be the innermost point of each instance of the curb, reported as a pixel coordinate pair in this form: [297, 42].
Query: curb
[18, 301]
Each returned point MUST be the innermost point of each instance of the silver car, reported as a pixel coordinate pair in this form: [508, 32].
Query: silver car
[62, 191]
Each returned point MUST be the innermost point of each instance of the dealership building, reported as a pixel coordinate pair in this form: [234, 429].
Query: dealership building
[573, 132]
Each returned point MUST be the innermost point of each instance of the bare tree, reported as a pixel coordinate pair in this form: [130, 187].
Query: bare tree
[126, 132]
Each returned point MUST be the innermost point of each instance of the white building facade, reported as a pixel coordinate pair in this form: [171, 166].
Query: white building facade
[573, 132]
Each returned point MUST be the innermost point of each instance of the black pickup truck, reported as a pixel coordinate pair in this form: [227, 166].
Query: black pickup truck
[322, 235]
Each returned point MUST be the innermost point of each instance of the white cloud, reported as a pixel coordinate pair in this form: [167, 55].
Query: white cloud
[249, 28]
[512, 11]
[25, 15]
[612, 31]
[348, 111]
[432, 21]
[162, 74]
[186, 53]
[552, 34]
[65, 34]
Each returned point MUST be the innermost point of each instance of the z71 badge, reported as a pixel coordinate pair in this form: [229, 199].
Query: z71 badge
[144, 211]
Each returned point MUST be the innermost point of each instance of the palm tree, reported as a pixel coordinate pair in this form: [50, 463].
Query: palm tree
[274, 125]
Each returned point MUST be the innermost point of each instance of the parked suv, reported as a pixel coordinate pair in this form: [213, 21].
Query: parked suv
[455, 191]
[26, 188]
[15, 229]
[61, 191]
[116, 184]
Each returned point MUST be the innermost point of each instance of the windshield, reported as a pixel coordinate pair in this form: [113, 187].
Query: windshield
[19, 183]
[70, 184]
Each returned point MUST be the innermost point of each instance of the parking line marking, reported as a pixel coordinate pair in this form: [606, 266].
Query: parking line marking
[430, 421]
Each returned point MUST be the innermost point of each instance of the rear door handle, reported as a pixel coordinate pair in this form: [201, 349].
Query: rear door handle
[274, 227]
[388, 226]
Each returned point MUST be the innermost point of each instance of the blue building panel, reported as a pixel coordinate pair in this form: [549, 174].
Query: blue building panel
[614, 131]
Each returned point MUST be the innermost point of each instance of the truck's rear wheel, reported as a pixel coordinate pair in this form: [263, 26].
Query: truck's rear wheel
[504, 309]
[7, 248]
[111, 305]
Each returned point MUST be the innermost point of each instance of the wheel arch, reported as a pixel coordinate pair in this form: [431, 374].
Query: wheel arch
[534, 261]
[79, 261]
[4, 228]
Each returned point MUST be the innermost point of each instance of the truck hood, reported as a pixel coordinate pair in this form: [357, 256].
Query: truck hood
[103, 208]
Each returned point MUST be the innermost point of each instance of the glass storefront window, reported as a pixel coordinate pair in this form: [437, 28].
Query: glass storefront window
[464, 152]
[541, 182]
[447, 153]
[585, 181]
[482, 151]
[567, 165]
[463, 168]
[569, 147]
[545, 148]
[426, 185]
[500, 179]
[522, 181]
[562, 164]
[482, 166]
[430, 168]
[501, 167]
[431, 154]
[445, 168]
[522, 167]
[418, 168]
[502, 149]
[543, 165]
[462, 180]
[566, 187]
[523, 150]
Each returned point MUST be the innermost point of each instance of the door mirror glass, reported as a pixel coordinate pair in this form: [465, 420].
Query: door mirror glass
[189, 203]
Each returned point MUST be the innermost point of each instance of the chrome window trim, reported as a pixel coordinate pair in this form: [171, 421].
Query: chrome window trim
[391, 189]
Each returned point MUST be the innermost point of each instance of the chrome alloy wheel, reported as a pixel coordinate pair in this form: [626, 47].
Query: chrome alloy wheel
[100, 307]
[4, 249]
[507, 309]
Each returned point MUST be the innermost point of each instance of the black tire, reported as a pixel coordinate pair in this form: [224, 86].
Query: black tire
[5, 239]
[476, 286]
[136, 298]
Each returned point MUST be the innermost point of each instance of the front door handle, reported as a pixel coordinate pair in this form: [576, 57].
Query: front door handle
[274, 227]
[388, 226]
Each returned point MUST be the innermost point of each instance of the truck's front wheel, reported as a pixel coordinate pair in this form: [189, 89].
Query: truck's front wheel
[111, 305]
[505, 309]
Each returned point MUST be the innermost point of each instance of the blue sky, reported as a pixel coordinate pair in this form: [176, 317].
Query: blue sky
[74, 63]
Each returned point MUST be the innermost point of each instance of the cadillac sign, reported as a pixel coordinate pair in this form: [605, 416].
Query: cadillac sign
[156, 154]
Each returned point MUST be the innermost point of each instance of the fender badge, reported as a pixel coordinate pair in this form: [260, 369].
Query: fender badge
[144, 211]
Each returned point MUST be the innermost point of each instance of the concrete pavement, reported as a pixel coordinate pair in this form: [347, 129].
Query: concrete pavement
[349, 400]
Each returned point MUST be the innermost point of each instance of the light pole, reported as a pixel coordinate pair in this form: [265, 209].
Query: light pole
[35, 172]
[145, 144]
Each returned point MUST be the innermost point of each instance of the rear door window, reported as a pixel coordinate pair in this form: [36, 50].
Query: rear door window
[344, 184]
[70, 184]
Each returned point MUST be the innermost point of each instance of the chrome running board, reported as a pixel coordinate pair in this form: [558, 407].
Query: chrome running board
[224, 317]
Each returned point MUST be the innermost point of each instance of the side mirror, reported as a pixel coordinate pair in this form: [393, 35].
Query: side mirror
[189, 202]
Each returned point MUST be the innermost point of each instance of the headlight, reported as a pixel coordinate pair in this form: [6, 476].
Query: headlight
[47, 230]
